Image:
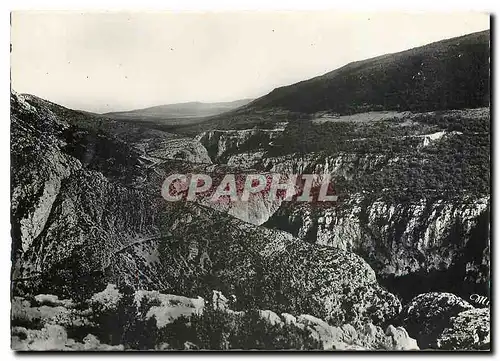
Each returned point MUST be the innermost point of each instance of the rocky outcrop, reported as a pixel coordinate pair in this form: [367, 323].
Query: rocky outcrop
[257, 210]
[408, 231]
[99, 220]
[185, 149]
[38, 324]
[395, 208]
[409, 228]
[169, 307]
[347, 337]
[222, 144]
[429, 314]
[55, 338]
[469, 330]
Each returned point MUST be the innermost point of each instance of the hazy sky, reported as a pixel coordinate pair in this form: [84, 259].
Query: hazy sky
[116, 61]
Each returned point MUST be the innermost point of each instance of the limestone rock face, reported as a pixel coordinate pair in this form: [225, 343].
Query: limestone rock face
[434, 238]
[169, 307]
[427, 315]
[107, 299]
[37, 136]
[403, 241]
[469, 330]
[185, 149]
[222, 144]
[400, 339]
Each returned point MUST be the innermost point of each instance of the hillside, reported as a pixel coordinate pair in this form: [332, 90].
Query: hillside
[448, 74]
[179, 113]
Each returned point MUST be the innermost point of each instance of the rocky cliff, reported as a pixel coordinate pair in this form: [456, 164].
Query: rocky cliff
[222, 144]
[416, 207]
[433, 243]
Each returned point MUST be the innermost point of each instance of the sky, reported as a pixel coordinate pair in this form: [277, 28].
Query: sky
[113, 61]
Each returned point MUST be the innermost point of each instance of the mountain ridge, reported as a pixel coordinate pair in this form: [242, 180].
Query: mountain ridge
[184, 109]
[477, 37]
[443, 75]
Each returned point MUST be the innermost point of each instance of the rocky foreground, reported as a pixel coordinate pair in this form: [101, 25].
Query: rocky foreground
[149, 320]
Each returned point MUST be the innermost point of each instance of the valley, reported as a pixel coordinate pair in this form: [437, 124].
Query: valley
[390, 266]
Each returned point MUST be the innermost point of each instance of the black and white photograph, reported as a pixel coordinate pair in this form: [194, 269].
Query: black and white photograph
[250, 181]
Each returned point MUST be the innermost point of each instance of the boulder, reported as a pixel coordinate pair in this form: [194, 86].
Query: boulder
[469, 330]
[428, 314]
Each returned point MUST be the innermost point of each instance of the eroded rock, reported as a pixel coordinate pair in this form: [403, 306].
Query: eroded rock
[469, 330]
[427, 315]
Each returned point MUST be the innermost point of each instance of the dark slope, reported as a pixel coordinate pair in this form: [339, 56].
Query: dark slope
[449, 74]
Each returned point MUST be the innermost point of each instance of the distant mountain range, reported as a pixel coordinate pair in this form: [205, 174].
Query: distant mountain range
[180, 110]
